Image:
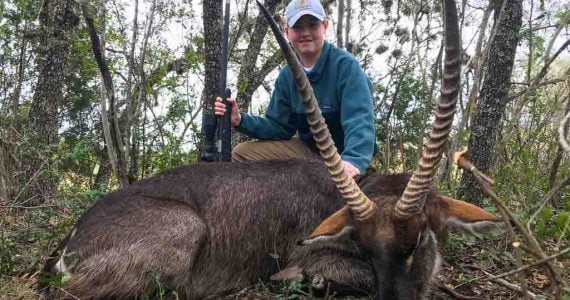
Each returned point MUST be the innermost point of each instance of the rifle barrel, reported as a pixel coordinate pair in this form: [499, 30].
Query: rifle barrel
[224, 123]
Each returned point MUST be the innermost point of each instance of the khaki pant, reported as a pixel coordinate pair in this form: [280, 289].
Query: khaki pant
[269, 149]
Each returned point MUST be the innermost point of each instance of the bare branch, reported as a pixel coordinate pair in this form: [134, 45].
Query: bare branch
[534, 83]
[26, 207]
[465, 164]
[511, 286]
[534, 264]
[455, 294]
[116, 137]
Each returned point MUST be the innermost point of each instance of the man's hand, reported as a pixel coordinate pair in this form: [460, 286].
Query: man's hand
[350, 169]
[220, 110]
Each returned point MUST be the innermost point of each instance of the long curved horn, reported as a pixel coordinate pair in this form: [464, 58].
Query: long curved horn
[361, 207]
[413, 200]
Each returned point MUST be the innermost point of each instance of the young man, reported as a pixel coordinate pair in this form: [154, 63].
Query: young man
[342, 89]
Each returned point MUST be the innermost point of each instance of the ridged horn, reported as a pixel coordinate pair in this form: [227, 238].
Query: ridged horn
[414, 196]
[361, 207]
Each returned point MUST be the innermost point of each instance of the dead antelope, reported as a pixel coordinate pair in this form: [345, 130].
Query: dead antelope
[189, 230]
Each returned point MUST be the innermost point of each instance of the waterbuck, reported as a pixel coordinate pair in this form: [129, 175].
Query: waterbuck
[209, 229]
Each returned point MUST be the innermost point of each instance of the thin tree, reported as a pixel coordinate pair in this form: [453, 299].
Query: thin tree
[58, 18]
[340, 24]
[114, 138]
[494, 94]
[250, 77]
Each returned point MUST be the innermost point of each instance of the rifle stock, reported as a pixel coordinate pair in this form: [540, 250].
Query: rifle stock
[225, 132]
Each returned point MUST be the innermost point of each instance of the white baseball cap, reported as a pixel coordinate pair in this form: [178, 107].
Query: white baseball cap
[298, 8]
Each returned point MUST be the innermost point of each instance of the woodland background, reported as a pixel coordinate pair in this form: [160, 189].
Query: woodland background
[97, 94]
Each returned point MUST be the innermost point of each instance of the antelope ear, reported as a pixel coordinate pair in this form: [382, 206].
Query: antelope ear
[469, 218]
[335, 227]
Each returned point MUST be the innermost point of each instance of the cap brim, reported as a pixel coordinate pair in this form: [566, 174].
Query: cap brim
[297, 16]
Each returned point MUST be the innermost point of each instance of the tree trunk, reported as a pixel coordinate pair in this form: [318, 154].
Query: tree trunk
[21, 68]
[348, 27]
[102, 177]
[558, 158]
[116, 138]
[7, 188]
[250, 78]
[340, 24]
[58, 18]
[111, 153]
[212, 17]
[134, 108]
[213, 25]
[476, 63]
[494, 95]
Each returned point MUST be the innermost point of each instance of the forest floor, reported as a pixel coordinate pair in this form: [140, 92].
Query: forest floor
[28, 235]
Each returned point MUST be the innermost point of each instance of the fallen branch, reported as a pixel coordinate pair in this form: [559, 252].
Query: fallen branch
[455, 294]
[534, 264]
[513, 287]
[485, 184]
[493, 278]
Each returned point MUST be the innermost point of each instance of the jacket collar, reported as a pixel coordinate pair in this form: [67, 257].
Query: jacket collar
[317, 70]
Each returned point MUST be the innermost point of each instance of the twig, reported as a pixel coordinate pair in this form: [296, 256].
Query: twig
[534, 264]
[561, 237]
[509, 285]
[455, 294]
[26, 207]
[521, 276]
[547, 199]
[30, 180]
[69, 294]
[534, 83]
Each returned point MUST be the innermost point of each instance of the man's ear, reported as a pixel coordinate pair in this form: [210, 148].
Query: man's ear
[327, 23]
[336, 227]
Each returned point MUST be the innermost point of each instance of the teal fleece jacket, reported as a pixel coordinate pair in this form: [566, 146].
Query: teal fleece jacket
[344, 94]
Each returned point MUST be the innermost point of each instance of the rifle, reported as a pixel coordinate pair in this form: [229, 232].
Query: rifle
[224, 122]
[217, 130]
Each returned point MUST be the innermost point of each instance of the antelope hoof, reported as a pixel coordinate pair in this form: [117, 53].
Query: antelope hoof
[318, 282]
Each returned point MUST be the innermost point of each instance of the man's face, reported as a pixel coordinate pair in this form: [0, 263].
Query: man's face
[308, 35]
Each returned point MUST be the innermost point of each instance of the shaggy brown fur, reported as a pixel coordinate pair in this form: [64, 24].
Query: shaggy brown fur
[214, 228]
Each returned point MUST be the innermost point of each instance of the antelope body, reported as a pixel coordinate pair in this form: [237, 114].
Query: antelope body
[209, 229]
[190, 231]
